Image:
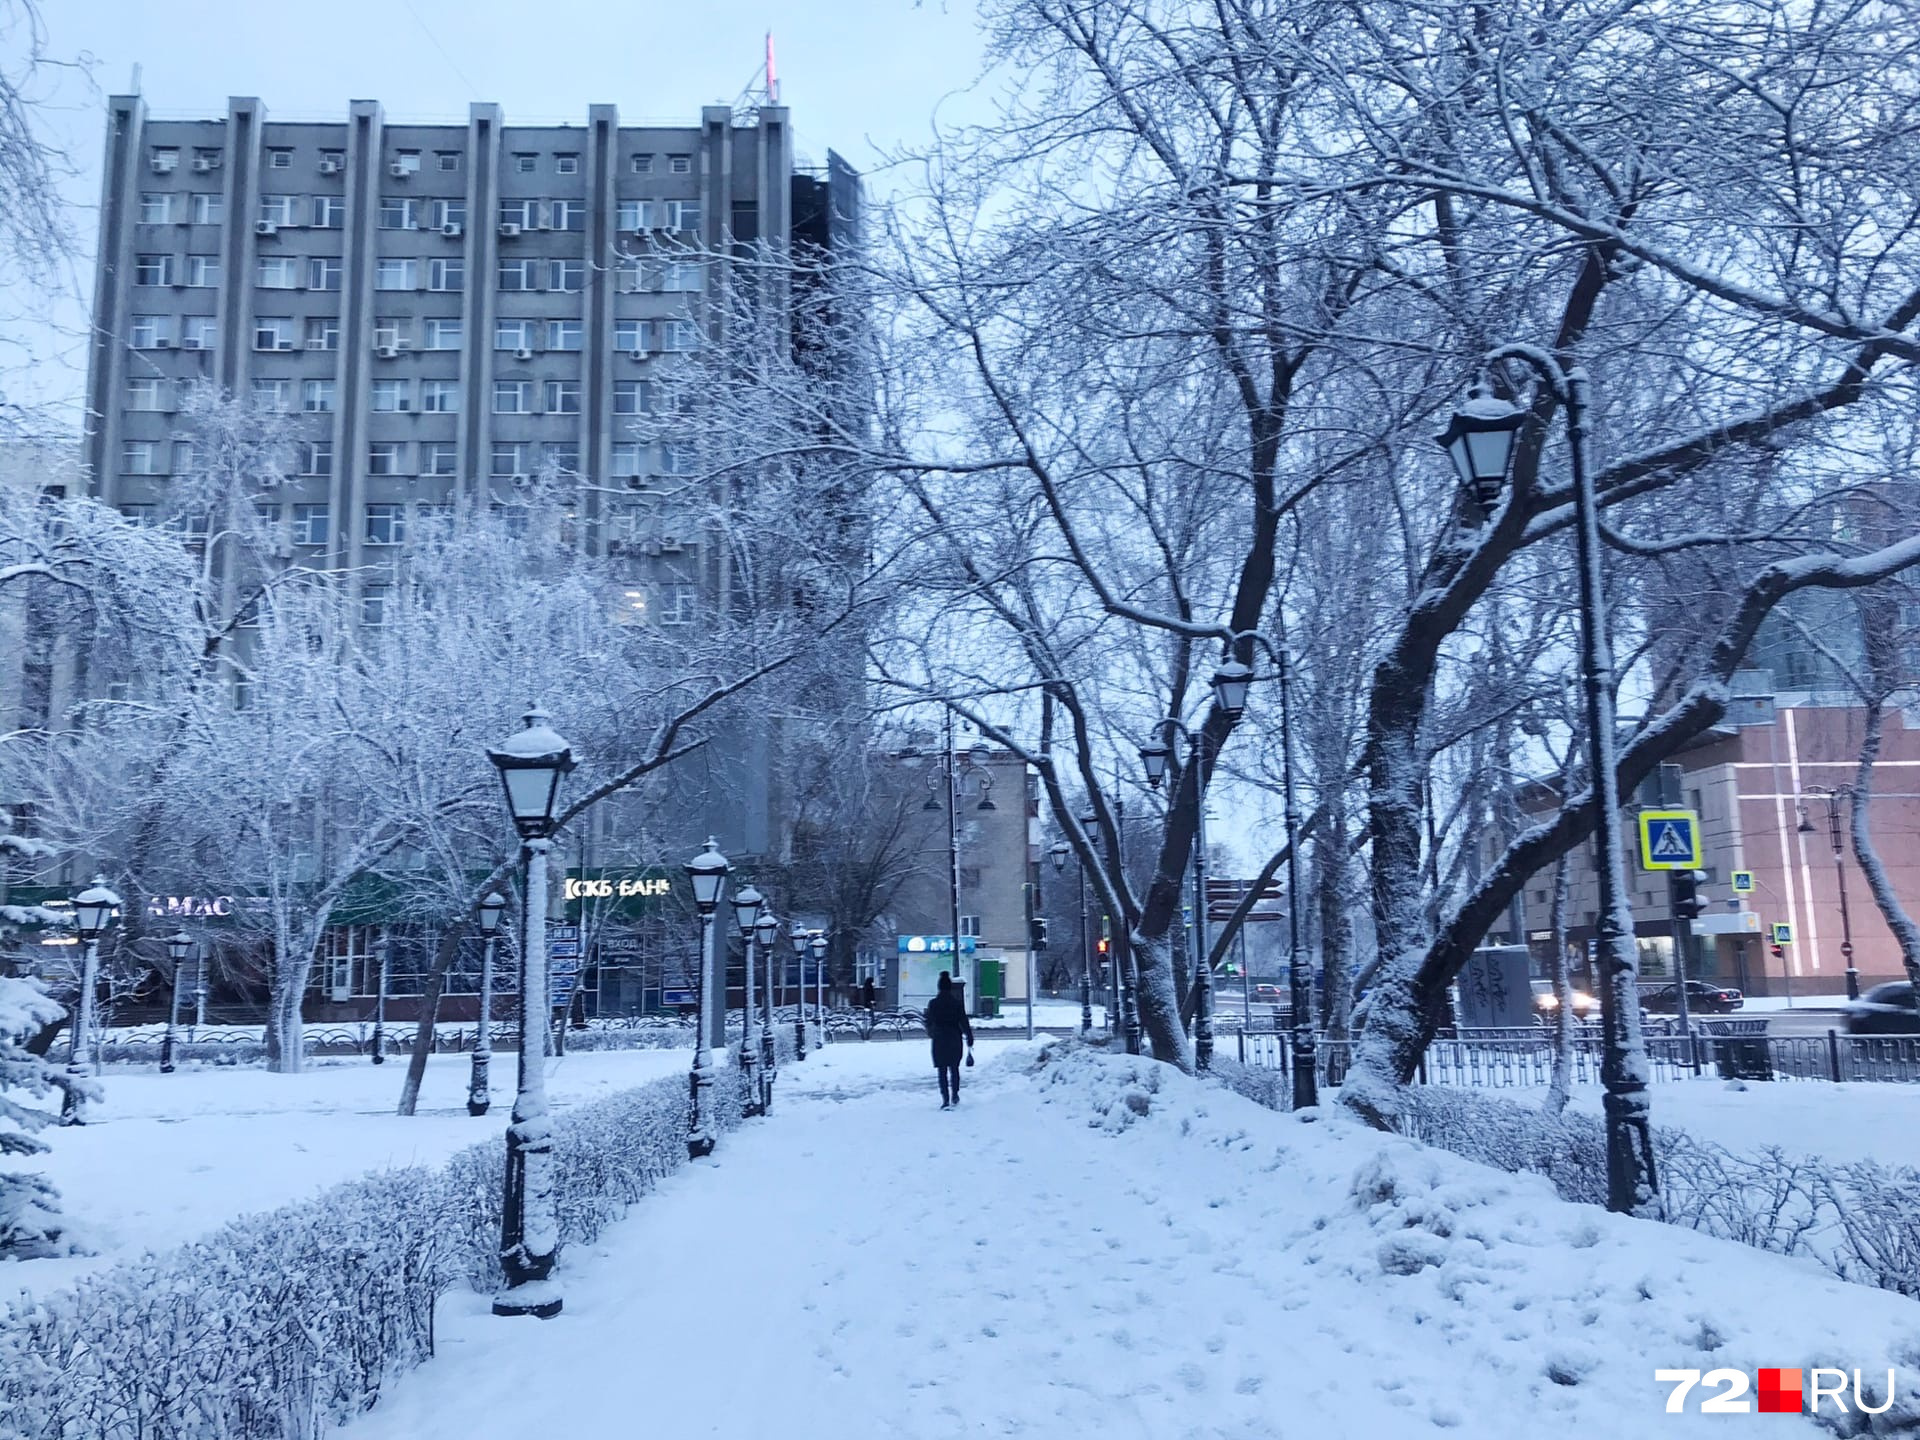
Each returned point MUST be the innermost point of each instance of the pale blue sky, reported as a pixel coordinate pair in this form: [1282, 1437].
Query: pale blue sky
[861, 75]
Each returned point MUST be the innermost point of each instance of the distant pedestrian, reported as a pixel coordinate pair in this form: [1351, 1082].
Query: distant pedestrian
[869, 995]
[947, 1024]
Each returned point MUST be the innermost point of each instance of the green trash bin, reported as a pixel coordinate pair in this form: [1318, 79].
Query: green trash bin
[1740, 1049]
[986, 1004]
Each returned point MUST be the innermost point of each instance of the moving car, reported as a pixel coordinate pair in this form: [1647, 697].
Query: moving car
[1545, 1002]
[1885, 1010]
[1702, 998]
[1269, 995]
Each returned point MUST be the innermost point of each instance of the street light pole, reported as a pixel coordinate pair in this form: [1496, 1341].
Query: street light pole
[818, 945]
[380, 1003]
[798, 938]
[768, 931]
[179, 946]
[1480, 442]
[93, 909]
[1832, 795]
[708, 872]
[531, 764]
[1306, 1080]
[199, 992]
[479, 1090]
[747, 903]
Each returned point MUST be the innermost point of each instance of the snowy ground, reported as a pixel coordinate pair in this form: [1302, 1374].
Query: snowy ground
[1047, 1261]
[169, 1157]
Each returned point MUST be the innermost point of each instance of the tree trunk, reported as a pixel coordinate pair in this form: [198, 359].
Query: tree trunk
[1336, 921]
[430, 992]
[1559, 1088]
[1898, 920]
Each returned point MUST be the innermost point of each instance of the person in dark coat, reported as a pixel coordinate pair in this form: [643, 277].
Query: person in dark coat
[947, 1023]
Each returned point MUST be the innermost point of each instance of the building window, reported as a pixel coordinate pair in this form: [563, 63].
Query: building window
[524, 163]
[146, 393]
[133, 515]
[334, 158]
[676, 459]
[208, 208]
[149, 331]
[153, 270]
[383, 458]
[329, 212]
[524, 213]
[680, 164]
[683, 275]
[449, 212]
[517, 275]
[390, 396]
[437, 457]
[141, 457]
[197, 331]
[565, 334]
[408, 161]
[513, 335]
[633, 337]
[316, 396]
[396, 274]
[309, 524]
[446, 161]
[206, 157]
[680, 335]
[513, 397]
[446, 274]
[278, 209]
[683, 215]
[633, 214]
[566, 164]
[165, 159]
[373, 603]
[156, 209]
[183, 457]
[278, 272]
[641, 164]
[563, 397]
[632, 397]
[570, 215]
[445, 334]
[278, 159]
[273, 394]
[316, 457]
[508, 458]
[273, 332]
[399, 213]
[203, 272]
[561, 457]
[679, 603]
[626, 459]
[323, 272]
[387, 330]
[566, 276]
[440, 397]
[970, 927]
[325, 329]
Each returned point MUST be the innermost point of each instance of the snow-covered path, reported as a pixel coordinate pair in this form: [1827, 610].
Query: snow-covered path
[864, 1265]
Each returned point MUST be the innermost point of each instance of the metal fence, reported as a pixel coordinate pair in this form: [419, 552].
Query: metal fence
[1507, 1059]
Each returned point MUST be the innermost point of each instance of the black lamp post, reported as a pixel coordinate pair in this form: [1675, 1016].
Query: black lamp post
[1479, 441]
[1154, 757]
[768, 933]
[951, 771]
[179, 947]
[1832, 793]
[479, 1090]
[1087, 822]
[531, 764]
[747, 902]
[818, 945]
[383, 947]
[798, 937]
[708, 872]
[93, 910]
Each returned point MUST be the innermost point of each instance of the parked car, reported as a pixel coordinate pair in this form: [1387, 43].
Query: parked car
[1702, 998]
[1545, 1002]
[1269, 995]
[1885, 1010]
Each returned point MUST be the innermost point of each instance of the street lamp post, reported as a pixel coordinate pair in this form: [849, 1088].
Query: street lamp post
[479, 1091]
[93, 909]
[952, 769]
[1154, 757]
[798, 937]
[818, 945]
[747, 902]
[199, 992]
[1479, 441]
[531, 764]
[179, 946]
[708, 872]
[1059, 852]
[380, 1001]
[768, 931]
[1832, 794]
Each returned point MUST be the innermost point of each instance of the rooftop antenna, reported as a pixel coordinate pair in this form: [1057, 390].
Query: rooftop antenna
[762, 89]
[134, 87]
[773, 76]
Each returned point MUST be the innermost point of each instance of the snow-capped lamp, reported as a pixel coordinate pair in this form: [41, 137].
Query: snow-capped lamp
[1060, 851]
[531, 765]
[491, 909]
[1479, 441]
[746, 910]
[1154, 758]
[94, 909]
[708, 871]
[1231, 682]
[799, 937]
[179, 947]
[767, 930]
[819, 945]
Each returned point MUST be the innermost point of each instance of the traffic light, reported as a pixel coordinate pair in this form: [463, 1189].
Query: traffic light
[1683, 890]
[1100, 946]
[1039, 932]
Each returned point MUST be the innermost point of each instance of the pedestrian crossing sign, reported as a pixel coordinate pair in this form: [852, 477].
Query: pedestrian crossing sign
[1669, 840]
[1782, 933]
[1742, 882]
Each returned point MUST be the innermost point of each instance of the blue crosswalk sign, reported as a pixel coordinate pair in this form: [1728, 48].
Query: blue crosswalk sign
[1669, 840]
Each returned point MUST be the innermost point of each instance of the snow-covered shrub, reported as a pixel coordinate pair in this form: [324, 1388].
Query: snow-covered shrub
[30, 1223]
[284, 1325]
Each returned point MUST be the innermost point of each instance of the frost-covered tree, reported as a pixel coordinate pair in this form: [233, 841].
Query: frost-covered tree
[30, 1219]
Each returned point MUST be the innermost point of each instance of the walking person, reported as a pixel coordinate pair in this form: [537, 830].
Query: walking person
[947, 1024]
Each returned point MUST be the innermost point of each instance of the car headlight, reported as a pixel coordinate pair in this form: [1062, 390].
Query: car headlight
[1547, 1002]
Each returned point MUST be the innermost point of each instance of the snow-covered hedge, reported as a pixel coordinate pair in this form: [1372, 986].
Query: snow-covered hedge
[283, 1325]
[1859, 1219]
